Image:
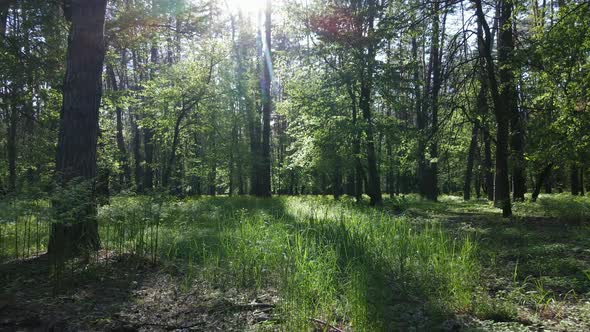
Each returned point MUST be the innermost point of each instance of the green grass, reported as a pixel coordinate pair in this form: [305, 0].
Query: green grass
[336, 261]
[410, 264]
[23, 228]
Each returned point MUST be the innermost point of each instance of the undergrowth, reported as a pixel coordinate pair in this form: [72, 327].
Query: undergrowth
[335, 261]
[410, 264]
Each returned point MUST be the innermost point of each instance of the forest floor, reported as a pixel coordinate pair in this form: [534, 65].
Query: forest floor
[463, 268]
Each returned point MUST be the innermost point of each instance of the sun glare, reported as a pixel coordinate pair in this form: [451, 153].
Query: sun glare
[250, 7]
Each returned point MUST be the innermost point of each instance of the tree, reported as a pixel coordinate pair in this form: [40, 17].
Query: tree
[78, 132]
[500, 96]
[265, 165]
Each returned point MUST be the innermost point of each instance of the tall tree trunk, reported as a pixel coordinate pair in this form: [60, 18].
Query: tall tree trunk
[431, 178]
[126, 175]
[11, 148]
[421, 120]
[356, 147]
[148, 144]
[11, 113]
[78, 132]
[510, 94]
[265, 166]
[135, 118]
[374, 182]
[501, 106]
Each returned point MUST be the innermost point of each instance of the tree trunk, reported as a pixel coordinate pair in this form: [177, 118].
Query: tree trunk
[431, 188]
[357, 178]
[4, 5]
[135, 118]
[487, 165]
[11, 113]
[470, 161]
[574, 179]
[78, 132]
[11, 148]
[373, 183]
[265, 165]
[541, 178]
[126, 175]
[582, 187]
[501, 105]
[420, 120]
[172, 158]
[510, 94]
[148, 135]
[138, 168]
[549, 183]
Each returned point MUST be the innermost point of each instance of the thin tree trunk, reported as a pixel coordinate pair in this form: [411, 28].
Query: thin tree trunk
[517, 125]
[126, 175]
[470, 161]
[356, 147]
[582, 187]
[148, 144]
[265, 166]
[11, 148]
[488, 165]
[172, 158]
[574, 179]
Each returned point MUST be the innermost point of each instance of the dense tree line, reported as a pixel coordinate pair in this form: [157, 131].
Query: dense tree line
[297, 97]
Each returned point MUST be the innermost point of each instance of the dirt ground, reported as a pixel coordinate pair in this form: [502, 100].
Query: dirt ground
[126, 294]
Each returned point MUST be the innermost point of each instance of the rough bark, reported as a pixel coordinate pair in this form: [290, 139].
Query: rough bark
[78, 132]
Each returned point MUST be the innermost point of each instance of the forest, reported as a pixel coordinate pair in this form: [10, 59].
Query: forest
[294, 165]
